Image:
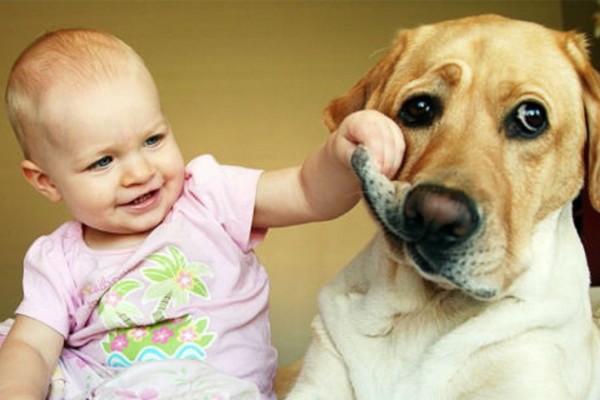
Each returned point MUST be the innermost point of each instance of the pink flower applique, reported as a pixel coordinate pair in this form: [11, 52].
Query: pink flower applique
[111, 298]
[185, 280]
[187, 334]
[162, 335]
[138, 334]
[119, 342]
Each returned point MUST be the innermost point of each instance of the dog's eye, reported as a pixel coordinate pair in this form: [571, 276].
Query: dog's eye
[419, 111]
[528, 120]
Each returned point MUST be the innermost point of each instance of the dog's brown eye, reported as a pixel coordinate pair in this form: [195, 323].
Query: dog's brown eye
[528, 120]
[419, 111]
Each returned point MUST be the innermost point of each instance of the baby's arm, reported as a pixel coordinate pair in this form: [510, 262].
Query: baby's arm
[324, 186]
[28, 357]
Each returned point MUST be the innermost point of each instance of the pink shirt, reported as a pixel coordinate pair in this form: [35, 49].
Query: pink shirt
[193, 289]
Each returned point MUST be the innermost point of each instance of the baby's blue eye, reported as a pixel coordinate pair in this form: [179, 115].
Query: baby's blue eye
[101, 163]
[153, 140]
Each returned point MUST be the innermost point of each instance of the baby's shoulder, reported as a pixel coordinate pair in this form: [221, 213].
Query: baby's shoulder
[57, 244]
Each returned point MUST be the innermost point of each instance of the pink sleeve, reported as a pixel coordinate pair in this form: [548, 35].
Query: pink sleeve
[229, 192]
[47, 286]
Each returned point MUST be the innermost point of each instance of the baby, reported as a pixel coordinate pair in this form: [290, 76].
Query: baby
[158, 261]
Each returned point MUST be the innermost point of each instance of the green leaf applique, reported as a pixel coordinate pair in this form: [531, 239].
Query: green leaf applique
[174, 279]
[114, 310]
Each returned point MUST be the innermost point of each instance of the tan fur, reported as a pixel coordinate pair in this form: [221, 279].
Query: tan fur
[479, 68]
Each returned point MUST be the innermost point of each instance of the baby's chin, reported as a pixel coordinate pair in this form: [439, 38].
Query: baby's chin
[115, 239]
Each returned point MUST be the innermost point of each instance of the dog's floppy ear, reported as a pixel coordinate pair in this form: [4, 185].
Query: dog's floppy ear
[368, 88]
[577, 49]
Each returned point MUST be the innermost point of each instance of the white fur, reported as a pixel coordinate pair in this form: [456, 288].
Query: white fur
[383, 339]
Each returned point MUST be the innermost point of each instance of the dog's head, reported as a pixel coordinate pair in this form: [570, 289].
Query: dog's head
[494, 116]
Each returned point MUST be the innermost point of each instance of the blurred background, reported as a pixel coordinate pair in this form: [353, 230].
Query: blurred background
[247, 82]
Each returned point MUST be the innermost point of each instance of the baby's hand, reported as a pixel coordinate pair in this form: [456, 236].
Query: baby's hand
[378, 133]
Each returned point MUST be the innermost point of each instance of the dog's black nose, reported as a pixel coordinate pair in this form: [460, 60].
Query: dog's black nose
[438, 217]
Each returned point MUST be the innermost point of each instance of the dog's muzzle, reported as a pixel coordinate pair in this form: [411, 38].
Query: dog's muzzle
[436, 219]
[435, 223]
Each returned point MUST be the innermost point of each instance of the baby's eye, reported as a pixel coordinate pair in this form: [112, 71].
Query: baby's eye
[153, 140]
[101, 163]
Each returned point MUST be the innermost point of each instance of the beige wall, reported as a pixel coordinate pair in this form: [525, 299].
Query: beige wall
[245, 81]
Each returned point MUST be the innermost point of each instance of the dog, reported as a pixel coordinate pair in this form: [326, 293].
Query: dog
[476, 286]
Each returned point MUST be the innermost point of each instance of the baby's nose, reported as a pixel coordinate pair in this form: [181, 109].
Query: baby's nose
[137, 170]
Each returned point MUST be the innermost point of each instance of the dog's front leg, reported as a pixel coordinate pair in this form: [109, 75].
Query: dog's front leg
[324, 375]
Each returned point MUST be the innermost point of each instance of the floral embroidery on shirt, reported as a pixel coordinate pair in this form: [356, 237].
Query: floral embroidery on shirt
[170, 282]
[181, 338]
[114, 310]
[174, 279]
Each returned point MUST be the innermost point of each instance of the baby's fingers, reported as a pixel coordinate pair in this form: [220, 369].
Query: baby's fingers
[393, 149]
[384, 140]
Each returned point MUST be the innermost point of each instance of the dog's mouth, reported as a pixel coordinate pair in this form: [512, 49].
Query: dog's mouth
[452, 274]
[420, 260]
[435, 225]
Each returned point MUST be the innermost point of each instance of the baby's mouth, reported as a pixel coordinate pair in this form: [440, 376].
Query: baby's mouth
[143, 198]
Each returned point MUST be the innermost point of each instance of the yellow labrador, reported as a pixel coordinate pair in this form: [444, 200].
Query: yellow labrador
[476, 286]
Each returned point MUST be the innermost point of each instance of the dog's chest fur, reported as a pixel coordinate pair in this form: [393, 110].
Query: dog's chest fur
[373, 325]
[402, 337]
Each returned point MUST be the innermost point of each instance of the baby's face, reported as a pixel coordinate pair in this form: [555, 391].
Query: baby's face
[112, 155]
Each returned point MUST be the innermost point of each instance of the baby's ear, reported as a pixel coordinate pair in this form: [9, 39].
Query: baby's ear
[40, 180]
